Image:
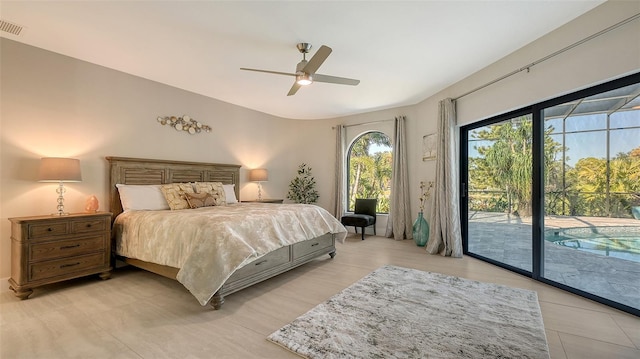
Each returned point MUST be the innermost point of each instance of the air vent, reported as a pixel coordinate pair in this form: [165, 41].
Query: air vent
[11, 28]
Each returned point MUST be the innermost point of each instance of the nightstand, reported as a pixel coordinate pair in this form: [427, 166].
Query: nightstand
[264, 200]
[49, 249]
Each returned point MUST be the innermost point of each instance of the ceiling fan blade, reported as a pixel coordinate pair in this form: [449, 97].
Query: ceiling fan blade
[296, 86]
[268, 72]
[335, 80]
[317, 59]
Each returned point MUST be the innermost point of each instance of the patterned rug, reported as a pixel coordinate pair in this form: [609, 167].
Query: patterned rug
[396, 312]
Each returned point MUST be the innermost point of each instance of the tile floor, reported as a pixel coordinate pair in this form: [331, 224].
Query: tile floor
[141, 315]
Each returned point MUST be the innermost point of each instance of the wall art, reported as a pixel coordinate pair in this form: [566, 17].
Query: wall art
[184, 123]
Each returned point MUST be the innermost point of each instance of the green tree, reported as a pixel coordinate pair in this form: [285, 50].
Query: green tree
[602, 190]
[589, 179]
[505, 164]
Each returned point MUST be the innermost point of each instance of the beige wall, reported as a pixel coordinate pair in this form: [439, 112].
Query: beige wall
[53, 105]
[603, 58]
[608, 56]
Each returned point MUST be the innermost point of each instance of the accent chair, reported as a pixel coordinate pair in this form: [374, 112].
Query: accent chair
[363, 216]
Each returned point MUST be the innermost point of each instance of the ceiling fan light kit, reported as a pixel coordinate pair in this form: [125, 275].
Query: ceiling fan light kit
[304, 79]
[306, 70]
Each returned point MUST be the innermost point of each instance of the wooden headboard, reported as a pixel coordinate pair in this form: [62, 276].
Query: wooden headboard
[142, 171]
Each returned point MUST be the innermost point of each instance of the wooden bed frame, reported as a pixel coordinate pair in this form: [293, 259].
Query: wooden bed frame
[139, 171]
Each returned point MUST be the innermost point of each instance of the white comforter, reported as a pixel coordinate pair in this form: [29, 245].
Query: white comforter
[208, 244]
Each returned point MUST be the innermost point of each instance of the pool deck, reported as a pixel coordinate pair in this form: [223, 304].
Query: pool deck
[507, 238]
[551, 222]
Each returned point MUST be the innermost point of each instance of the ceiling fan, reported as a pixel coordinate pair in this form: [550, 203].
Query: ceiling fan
[306, 70]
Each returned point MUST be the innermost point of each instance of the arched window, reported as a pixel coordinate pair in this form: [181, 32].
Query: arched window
[369, 164]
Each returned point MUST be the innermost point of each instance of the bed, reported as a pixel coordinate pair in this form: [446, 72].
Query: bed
[294, 234]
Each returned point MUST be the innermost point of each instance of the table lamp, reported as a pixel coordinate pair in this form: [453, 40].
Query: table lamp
[56, 169]
[259, 175]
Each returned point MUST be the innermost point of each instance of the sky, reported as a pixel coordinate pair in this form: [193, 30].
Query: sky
[378, 148]
[586, 135]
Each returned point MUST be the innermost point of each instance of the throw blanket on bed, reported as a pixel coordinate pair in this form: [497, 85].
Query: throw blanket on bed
[208, 244]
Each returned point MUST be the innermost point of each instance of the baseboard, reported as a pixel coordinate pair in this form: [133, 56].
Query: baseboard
[4, 284]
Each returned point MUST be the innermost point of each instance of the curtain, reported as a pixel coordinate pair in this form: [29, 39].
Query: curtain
[340, 182]
[445, 237]
[399, 221]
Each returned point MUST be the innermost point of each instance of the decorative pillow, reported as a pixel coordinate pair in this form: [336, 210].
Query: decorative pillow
[197, 200]
[141, 197]
[174, 194]
[229, 193]
[215, 189]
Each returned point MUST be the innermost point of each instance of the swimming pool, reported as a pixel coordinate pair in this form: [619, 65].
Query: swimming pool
[615, 241]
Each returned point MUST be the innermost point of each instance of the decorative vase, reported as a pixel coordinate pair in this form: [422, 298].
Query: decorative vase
[420, 230]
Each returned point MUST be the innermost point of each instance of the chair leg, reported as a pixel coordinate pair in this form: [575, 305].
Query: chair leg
[363, 233]
[356, 229]
[374, 229]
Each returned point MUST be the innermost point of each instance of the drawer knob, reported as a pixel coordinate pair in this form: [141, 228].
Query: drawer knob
[261, 262]
[89, 225]
[71, 246]
[315, 244]
[49, 229]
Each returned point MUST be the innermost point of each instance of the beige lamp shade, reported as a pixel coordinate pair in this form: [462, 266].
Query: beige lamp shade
[258, 175]
[56, 169]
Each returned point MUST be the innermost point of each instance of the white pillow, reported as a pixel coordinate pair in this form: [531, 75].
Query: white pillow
[142, 197]
[230, 193]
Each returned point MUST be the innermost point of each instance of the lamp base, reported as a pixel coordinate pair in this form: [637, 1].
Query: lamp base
[60, 191]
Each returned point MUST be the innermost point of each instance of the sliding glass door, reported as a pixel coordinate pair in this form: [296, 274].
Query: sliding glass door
[499, 191]
[553, 191]
[592, 193]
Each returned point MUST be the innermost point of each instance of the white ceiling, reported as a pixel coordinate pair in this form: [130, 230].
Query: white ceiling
[402, 52]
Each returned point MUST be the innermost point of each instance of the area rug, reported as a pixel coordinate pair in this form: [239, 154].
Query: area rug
[396, 312]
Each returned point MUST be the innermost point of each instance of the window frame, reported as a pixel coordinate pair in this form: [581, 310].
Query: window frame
[347, 162]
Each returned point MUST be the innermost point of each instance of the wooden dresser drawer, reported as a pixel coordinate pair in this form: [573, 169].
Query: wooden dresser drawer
[52, 248]
[66, 248]
[307, 247]
[273, 259]
[50, 229]
[50, 269]
[89, 225]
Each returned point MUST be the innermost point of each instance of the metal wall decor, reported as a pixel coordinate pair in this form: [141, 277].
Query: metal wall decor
[184, 123]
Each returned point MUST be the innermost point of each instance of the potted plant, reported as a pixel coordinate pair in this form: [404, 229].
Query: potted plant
[302, 189]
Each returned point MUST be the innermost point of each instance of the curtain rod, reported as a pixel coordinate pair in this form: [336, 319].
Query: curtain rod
[567, 48]
[362, 124]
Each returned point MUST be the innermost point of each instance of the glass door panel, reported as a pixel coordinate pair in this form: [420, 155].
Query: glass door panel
[579, 155]
[591, 237]
[499, 192]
